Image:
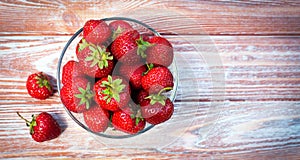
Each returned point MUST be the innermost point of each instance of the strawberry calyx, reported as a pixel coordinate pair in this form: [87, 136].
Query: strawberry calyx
[99, 56]
[113, 89]
[29, 124]
[158, 98]
[149, 67]
[85, 96]
[137, 115]
[142, 47]
[117, 32]
[43, 81]
[83, 45]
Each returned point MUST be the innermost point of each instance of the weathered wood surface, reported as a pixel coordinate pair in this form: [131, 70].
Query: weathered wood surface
[216, 17]
[257, 43]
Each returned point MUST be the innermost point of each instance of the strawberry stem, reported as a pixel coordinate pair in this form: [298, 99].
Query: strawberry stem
[164, 89]
[27, 122]
[30, 124]
[149, 67]
[154, 98]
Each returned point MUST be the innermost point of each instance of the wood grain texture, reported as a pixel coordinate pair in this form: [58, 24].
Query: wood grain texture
[239, 78]
[259, 116]
[216, 17]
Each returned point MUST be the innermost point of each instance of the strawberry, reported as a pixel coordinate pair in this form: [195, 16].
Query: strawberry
[95, 60]
[112, 93]
[156, 108]
[134, 74]
[161, 51]
[157, 78]
[129, 47]
[38, 86]
[69, 71]
[96, 31]
[125, 120]
[118, 27]
[96, 118]
[43, 127]
[77, 97]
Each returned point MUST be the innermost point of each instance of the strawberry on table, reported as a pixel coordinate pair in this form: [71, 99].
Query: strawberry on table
[78, 96]
[157, 78]
[112, 93]
[118, 27]
[96, 31]
[160, 52]
[38, 86]
[94, 60]
[96, 118]
[43, 127]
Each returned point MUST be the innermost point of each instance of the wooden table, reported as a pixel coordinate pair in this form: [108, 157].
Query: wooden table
[251, 112]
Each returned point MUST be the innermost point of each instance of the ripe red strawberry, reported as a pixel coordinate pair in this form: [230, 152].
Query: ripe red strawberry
[134, 74]
[96, 118]
[43, 127]
[77, 97]
[161, 51]
[118, 27]
[126, 121]
[129, 47]
[112, 93]
[156, 108]
[69, 71]
[95, 61]
[156, 79]
[38, 86]
[96, 31]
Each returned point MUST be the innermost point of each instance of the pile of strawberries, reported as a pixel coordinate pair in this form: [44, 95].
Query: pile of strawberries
[120, 78]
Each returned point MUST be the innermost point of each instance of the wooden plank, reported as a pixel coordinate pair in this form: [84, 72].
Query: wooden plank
[236, 129]
[249, 64]
[259, 117]
[168, 17]
[240, 128]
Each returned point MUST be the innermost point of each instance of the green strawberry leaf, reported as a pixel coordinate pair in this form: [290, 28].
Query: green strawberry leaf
[142, 47]
[99, 56]
[89, 58]
[117, 32]
[155, 98]
[43, 81]
[159, 98]
[113, 89]
[85, 96]
[83, 45]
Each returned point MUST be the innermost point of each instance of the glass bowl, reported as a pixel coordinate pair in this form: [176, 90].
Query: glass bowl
[68, 53]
